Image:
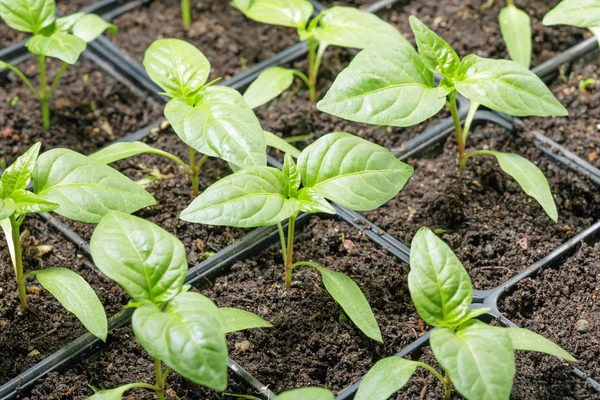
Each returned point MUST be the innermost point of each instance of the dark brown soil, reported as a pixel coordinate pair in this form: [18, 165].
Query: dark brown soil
[85, 115]
[66, 7]
[495, 229]
[298, 116]
[173, 195]
[227, 38]
[563, 304]
[472, 28]
[579, 132]
[122, 362]
[311, 342]
[27, 337]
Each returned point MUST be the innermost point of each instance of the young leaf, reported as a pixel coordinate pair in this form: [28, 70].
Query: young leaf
[311, 202]
[235, 320]
[580, 13]
[529, 177]
[312, 393]
[523, 339]
[249, 198]
[384, 86]
[353, 301]
[191, 343]
[65, 24]
[7, 209]
[350, 27]
[439, 284]
[64, 46]
[179, 68]
[28, 203]
[479, 359]
[90, 27]
[112, 394]
[278, 143]
[515, 26]
[506, 86]
[352, 172]
[147, 261]
[292, 13]
[28, 15]
[436, 53]
[385, 378]
[222, 125]
[290, 170]
[19, 173]
[269, 84]
[121, 150]
[77, 296]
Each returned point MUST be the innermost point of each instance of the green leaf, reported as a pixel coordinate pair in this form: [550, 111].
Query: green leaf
[472, 314]
[278, 143]
[269, 84]
[478, 358]
[384, 86]
[515, 26]
[19, 173]
[112, 394]
[147, 261]
[121, 150]
[239, 320]
[292, 13]
[580, 13]
[84, 189]
[28, 203]
[312, 393]
[353, 301]
[529, 177]
[311, 202]
[77, 296]
[64, 46]
[191, 343]
[350, 27]
[436, 53]
[290, 170]
[65, 24]
[523, 339]
[90, 27]
[385, 378]
[28, 15]
[439, 284]
[221, 125]
[179, 68]
[352, 172]
[249, 198]
[506, 86]
[7, 208]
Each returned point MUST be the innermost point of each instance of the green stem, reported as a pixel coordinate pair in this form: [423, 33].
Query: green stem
[160, 387]
[432, 370]
[509, 3]
[447, 387]
[24, 79]
[185, 13]
[465, 134]
[282, 240]
[44, 94]
[18, 260]
[314, 62]
[290, 253]
[193, 172]
[456, 119]
[201, 163]
[60, 73]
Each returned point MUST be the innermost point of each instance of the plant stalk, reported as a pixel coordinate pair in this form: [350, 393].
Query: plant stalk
[16, 255]
[315, 55]
[185, 13]
[44, 94]
[447, 387]
[160, 383]
[290, 253]
[194, 172]
[465, 134]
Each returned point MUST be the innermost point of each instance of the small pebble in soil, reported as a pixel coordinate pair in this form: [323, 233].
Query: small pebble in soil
[581, 326]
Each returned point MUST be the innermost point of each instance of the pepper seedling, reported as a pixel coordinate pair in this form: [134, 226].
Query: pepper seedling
[71, 185]
[579, 13]
[212, 120]
[477, 359]
[515, 26]
[184, 330]
[396, 87]
[51, 38]
[338, 26]
[340, 167]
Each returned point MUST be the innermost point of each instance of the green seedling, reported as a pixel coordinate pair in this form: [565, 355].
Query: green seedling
[584, 84]
[477, 359]
[182, 329]
[337, 26]
[579, 13]
[515, 26]
[214, 121]
[396, 87]
[51, 38]
[75, 187]
[339, 167]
